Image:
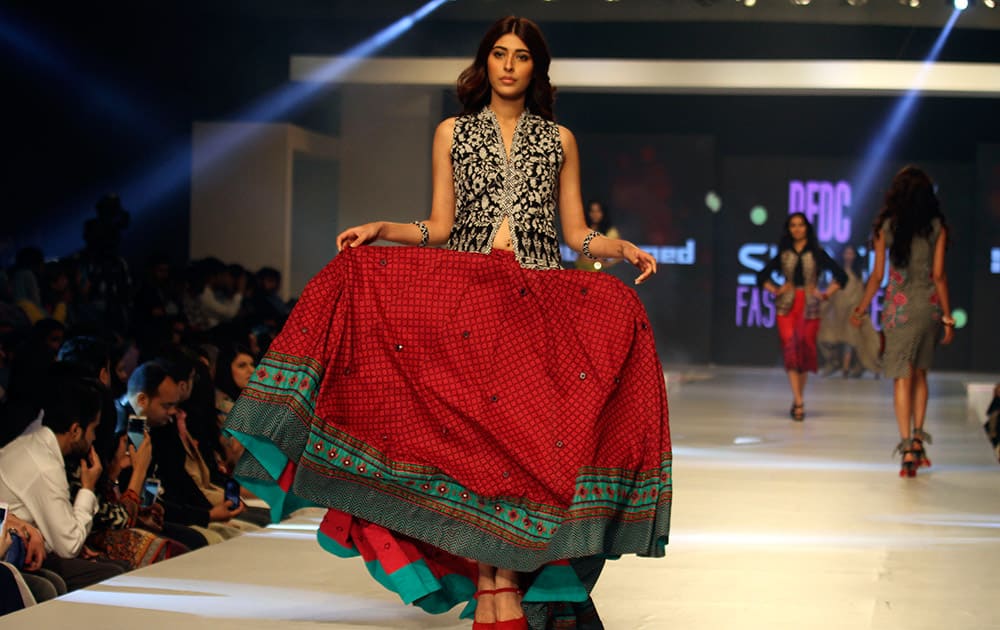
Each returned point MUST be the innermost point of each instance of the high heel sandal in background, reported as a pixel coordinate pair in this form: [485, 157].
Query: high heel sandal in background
[798, 412]
[521, 623]
[904, 448]
[919, 437]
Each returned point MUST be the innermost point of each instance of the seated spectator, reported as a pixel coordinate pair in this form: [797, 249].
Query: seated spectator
[57, 295]
[124, 360]
[154, 394]
[156, 297]
[181, 365]
[33, 477]
[222, 296]
[26, 281]
[267, 307]
[14, 592]
[234, 369]
[43, 583]
[123, 530]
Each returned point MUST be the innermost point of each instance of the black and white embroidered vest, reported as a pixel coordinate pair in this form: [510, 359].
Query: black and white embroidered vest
[491, 186]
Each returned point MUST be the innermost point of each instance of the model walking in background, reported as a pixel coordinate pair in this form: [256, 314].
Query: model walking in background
[800, 260]
[912, 229]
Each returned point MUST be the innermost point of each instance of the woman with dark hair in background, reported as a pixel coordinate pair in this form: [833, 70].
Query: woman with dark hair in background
[409, 393]
[234, 367]
[912, 230]
[800, 261]
[598, 219]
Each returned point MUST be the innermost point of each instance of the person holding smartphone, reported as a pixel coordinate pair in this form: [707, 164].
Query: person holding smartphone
[154, 394]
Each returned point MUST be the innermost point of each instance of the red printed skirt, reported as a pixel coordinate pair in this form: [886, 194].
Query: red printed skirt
[449, 406]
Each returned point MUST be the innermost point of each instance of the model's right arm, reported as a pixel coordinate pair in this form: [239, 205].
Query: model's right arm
[764, 275]
[442, 204]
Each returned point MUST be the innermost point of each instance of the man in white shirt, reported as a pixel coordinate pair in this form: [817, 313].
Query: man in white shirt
[33, 477]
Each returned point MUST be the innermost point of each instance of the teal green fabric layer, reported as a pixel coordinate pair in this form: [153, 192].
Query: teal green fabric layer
[557, 583]
[415, 583]
[273, 461]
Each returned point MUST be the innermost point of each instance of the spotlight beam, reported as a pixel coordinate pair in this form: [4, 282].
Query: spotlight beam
[883, 142]
[166, 176]
[158, 182]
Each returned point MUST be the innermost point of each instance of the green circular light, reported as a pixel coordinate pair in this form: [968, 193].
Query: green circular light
[960, 316]
[713, 201]
[758, 215]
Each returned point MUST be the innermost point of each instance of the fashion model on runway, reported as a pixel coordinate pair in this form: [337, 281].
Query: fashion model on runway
[800, 260]
[483, 426]
[912, 230]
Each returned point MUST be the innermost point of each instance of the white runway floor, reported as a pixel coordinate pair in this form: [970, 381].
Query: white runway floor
[776, 525]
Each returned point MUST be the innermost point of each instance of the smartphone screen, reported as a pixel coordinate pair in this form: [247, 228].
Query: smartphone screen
[150, 491]
[233, 493]
[136, 430]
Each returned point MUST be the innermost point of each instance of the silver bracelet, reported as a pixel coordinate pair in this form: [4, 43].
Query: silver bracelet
[586, 244]
[425, 235]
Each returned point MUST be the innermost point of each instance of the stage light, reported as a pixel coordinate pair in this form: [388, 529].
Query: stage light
[856, 3]
[712, 201]
[960, 5]
[758, 215]
[990, 4]
[749, 3]
[801, 3]
[913, 4]
[960, 316]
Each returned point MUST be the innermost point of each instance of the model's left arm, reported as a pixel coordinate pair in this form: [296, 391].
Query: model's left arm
[941, 286]
[827, 263]
[574, 227]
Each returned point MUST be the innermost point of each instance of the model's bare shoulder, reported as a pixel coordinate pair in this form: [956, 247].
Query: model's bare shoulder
[566, 137]
[447, 126]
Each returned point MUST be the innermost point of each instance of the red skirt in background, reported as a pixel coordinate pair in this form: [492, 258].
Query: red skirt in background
[798, 336]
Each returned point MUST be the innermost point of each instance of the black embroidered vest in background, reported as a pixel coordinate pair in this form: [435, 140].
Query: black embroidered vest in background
[490, 187]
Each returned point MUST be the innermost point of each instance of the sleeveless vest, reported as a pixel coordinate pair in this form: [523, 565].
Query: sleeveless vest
[491, 186]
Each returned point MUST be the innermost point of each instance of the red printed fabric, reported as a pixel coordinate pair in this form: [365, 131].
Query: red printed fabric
[471, 404]
[798, 336]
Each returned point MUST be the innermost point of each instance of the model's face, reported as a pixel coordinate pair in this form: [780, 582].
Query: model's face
[797, 228]
[510, 66]
[242, 368]
[849, 256]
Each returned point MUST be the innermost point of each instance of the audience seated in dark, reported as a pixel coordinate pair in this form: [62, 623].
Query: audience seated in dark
[111, 328]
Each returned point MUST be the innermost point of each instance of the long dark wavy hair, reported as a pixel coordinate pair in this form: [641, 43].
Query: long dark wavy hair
[474, 83]
[910, 205]
[786, 242]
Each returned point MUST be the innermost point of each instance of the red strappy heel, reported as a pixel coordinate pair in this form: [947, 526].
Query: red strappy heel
[521, 623]
[483, 625]
[919, 437]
